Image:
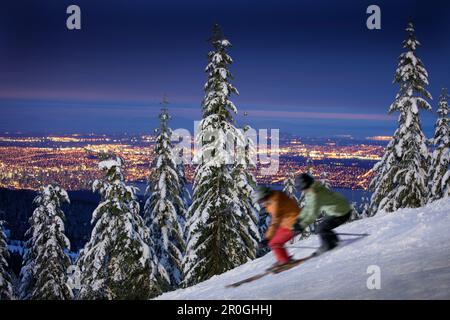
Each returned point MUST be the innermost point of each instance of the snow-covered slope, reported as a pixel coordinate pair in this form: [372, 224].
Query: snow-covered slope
[411, 247]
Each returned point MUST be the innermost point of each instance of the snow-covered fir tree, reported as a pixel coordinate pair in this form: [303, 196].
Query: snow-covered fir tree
[217, 234]
[289, 186]
[44, 271]
[439, 176]
[364, 207]
[355, 213]
[324, 180]
[6, 290]
[401, 176]
[361, 210]
[309, 164]
[165, 210]
[117, 262]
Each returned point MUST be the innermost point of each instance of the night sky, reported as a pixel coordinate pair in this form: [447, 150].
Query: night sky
[307, 67]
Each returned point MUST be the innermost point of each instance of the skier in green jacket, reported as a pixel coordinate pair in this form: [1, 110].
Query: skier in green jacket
[320, 199]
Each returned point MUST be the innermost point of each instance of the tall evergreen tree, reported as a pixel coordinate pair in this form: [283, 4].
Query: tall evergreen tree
[117, 262]
[216, 234]
[324, 180]
[309, 164]
[165, 209]
[6, 292]
[44, 272]
[355, 215]
[289, 186]
[401, 176]
[439, 176]
[364, 207]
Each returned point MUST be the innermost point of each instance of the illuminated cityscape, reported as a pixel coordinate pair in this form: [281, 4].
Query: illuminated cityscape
[27, 162]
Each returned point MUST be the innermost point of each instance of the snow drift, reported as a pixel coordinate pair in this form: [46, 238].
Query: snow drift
[411, 247]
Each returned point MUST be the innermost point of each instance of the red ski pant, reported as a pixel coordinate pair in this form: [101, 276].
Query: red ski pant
[282, 236]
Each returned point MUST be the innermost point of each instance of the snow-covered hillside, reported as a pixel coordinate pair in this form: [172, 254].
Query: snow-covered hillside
[411, 247]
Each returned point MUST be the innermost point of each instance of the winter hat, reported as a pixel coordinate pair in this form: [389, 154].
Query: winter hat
[304, 181]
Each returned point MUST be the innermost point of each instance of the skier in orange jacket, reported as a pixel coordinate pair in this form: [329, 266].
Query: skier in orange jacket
[284, 212]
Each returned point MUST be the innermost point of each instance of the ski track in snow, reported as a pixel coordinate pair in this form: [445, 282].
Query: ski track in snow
[411, 247]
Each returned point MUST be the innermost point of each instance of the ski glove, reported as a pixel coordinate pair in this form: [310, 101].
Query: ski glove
[298, 227]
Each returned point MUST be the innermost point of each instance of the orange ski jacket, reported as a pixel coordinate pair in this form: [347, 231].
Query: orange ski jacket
[284, 211]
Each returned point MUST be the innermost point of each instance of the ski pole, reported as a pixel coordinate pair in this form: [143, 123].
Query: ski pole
[342, 234]
[297, 247]
[302, 247]
[353, 234]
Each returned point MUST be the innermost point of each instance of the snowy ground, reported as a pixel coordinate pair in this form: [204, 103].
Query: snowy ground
[411, 247]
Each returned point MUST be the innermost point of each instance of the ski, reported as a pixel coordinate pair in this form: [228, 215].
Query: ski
[278, 270]
[292, 264]
[247, 280]
[288, 266]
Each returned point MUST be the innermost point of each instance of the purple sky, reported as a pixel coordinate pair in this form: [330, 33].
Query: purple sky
[306, 67]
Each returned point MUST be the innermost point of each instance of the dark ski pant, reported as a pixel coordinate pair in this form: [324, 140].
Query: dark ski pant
[328, 238]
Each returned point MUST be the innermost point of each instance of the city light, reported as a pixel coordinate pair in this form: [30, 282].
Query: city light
[71, 160]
